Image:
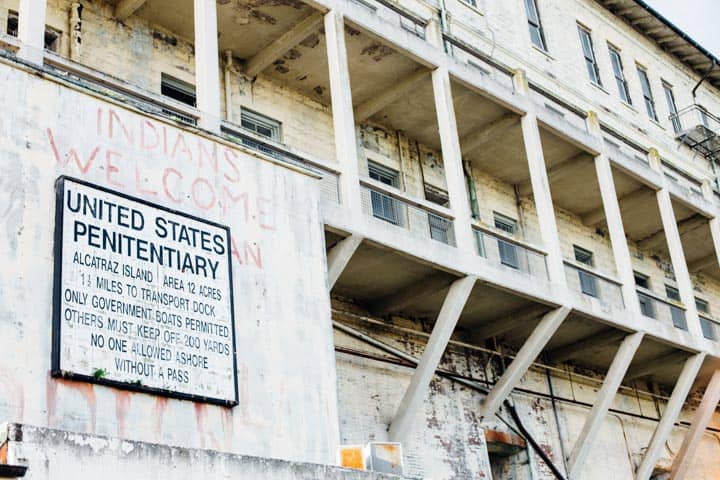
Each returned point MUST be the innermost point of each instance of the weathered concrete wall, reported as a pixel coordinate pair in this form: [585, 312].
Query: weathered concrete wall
[59, 455]
[285, 362]
[448, 441]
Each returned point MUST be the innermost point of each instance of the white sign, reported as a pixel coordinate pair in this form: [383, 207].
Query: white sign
[143, 296]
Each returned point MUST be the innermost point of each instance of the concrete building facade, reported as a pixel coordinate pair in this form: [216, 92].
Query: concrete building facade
[487, 230]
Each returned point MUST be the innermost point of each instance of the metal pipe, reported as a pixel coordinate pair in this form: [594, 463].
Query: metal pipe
[557, 418]
[475, 210]
[713, 63]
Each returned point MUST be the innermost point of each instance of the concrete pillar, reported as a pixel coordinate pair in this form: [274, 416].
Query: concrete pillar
[530, 350]
[452, 160]
[31, 30]
[414, 397]
[677, 257]
[702, 418]
[207, 64]
[339, 256]
[342, 111]
[672, 411]
[603, 401]
[541, 187]
[613, 218]
[75, 24]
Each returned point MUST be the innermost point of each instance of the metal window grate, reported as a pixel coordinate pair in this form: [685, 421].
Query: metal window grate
[260, 124]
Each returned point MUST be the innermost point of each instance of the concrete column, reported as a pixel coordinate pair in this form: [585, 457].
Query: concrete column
[702, 418]
[613, 218]
[417, 391]
[540, 186]
[615, 375]
[31, 30]
[677, 257]
[342, 111]
[207, 64]
[339, 256]
[530, 350]
[672, 411]
[452, 159]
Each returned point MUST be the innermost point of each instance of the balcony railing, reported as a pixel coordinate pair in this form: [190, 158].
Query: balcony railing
[418, 216]
[698, 129]
[660, 309]
[556, 108]
[397, 14]
[510, 253]
[594, 287]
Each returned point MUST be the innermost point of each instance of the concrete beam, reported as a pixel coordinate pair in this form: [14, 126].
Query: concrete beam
[339, 256]
[31, 30]
[677, 257]
[414, 396]
[125, 8]
[408, 296]
[287, 41]
[652, 366]
[488, 133]
[616, 230]
[207, 64]
[627, 202]
[530, 350]
[342, 111]
[570, 351]
[672, 411]
[613, 379]
[564, 169]
[506, 323]
[684, 227]
[452, 160]
[377, 102]
[702, 418]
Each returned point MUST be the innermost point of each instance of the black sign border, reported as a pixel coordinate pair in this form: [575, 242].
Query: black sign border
[56, 370]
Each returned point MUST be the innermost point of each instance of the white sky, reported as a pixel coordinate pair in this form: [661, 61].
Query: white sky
[698, 18]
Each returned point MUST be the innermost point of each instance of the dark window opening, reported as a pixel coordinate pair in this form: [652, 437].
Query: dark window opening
[52, 36]
[177, 89]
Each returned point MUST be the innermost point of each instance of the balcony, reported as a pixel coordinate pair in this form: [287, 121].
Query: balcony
[420, 217]
[509, 253]
[666, 311]
[592, 287]
[698, 129]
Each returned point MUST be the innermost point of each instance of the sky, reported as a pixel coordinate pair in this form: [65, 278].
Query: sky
[698, 18]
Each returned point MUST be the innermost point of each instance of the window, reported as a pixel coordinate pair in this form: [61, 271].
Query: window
[707, 325]
[52, 36]
[619, 73]
[672, 108]
[260, 124]
[589, 54]
[647, 93]
[508, 251]
[677, 313]
[588, 284]
[642, 280]
[384, 206]
[177, 89]
[702, 306]
[536, 31]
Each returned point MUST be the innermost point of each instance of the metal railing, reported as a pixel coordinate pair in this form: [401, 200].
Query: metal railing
[508, 253]
[556, 108]
[396, 209]
[709, 327]
[593, 287]
[663, 310]
[698, 128]
[397, 14]
[480, 61]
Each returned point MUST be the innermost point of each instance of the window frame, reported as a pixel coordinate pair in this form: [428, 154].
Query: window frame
[181, 86]
[648, 96]
[532, 12]
[672, 106]
[264, 121]
[591, 64]
[507, 251]
[588, 282]
[619, 73]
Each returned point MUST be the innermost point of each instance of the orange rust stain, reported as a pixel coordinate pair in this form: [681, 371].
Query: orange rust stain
[122, 403]
[200, 414]
[158, 414]
[51, 399]
[226, 415]
[87, 390]
[389, 449]
[352, 457]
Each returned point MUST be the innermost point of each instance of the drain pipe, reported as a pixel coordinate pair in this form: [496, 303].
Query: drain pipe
[713, 63]
[521, 430]
[471, 190]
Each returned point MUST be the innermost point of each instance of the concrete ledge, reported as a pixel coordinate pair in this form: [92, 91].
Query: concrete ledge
[61, 455]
